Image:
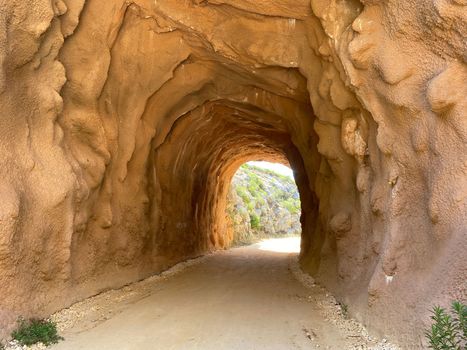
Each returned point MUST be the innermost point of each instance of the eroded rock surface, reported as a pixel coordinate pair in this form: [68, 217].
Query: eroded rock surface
[123, 123]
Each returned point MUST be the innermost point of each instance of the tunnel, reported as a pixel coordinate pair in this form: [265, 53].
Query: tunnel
[125, 121]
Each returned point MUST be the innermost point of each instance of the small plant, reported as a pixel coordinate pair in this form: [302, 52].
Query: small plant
[35, 331]
[292, 205]
[448, 331]
[2, 347]
[345, 310]
[254, 221]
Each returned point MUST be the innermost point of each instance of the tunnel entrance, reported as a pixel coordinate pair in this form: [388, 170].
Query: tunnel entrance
[263, 202]
[123, 123]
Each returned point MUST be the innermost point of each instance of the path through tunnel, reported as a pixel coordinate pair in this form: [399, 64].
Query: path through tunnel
[126, 120]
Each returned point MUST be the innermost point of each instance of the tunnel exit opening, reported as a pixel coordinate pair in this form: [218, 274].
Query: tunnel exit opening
[263, 205]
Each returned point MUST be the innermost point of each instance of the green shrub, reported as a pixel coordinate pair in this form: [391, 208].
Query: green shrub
[253, 186]
[292, 205]
[254, 221]
[251, 206]
[448, 331]
[34, 331]
[242, 192]
[344, 310]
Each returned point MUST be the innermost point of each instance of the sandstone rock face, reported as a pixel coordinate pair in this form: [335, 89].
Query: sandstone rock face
[262, 203]
[124, 122]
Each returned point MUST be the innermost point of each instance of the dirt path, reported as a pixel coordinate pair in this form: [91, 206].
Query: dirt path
[244, 298]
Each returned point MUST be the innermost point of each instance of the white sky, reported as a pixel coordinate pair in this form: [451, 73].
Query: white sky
[279, 168]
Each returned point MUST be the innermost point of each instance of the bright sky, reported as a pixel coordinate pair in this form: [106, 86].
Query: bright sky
[279, 168]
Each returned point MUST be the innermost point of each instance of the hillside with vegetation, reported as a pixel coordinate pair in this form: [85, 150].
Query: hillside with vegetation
[262, 203]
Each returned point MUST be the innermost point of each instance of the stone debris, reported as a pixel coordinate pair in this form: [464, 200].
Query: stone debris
[332, 312]
[14, 345]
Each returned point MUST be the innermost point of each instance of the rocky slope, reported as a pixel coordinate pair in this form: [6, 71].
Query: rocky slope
[262, 203]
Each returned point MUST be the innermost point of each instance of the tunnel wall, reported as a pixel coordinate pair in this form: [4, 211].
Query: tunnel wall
[122, 121]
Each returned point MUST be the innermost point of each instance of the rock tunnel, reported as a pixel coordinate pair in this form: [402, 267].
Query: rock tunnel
[124, 121]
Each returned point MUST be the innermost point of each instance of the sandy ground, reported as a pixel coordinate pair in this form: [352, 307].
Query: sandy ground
[246, 298]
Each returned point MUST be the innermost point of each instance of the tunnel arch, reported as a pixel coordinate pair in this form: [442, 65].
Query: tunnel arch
[220, 142]
[103, 91]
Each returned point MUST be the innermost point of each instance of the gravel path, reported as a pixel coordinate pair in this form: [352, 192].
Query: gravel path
[253, 297]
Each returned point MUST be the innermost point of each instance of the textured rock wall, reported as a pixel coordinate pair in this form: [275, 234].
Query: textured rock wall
[123, 123]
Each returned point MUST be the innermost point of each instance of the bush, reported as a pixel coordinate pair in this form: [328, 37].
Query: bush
[254, 221]
[253, 185]
[242, 192]
[292, 205]
[344, 310]
[448, 331]
[36, 331]
[251, 206]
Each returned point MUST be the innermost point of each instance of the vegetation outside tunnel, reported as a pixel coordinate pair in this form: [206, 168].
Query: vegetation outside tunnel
[262, 203]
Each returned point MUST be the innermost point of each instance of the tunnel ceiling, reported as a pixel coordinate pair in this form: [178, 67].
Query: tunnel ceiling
[124, 122]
